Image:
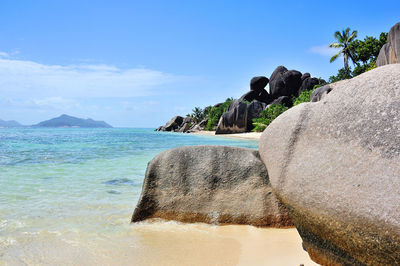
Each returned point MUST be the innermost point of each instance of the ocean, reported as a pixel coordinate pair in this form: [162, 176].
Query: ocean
[67, 196]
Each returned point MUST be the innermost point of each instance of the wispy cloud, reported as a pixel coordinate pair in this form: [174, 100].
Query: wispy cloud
[323, 50]
[4, 55]
[19, 78]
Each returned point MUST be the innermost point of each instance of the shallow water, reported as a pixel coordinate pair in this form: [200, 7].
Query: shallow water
[67, 195]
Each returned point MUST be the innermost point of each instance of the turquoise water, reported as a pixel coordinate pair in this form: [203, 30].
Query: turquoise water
[75, 185]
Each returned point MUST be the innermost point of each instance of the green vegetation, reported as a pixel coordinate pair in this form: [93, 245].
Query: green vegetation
[363, 54]
[267, 116]
[303, 97]
[215, 113]
[343, 41]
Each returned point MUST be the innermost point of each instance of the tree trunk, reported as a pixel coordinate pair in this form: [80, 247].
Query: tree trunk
[346, 61]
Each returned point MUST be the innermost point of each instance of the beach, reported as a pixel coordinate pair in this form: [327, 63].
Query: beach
[245, 135]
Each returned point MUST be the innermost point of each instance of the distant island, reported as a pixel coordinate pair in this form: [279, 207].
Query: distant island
[70, 121]
[10, 123]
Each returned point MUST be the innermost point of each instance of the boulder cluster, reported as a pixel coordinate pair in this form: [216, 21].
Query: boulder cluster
[183, 125]
[284, 84]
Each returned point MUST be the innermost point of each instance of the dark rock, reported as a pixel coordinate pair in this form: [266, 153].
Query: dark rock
[390, 52]
[253, 111]
[319, 93]
[304, 76]
[249, 96]
[284, 82]
[184, 128]
[292, 80]
[234, 120]
[335, 165]
[160, 128]
[203, 123]
[286, 101]
[195, 128]
[174, 123]
[218, 105]
[308, 84]
[261, 96]
[210, 184]
[187, 119]
[258, 83]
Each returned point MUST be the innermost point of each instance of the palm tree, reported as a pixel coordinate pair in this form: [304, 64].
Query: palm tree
[197, 114]
[343, 40]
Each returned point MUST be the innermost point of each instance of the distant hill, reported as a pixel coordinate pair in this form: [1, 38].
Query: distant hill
[70, 121]
[11, 123]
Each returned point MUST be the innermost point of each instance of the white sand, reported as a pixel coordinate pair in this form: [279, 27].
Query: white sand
[160, 243]
[247, 135]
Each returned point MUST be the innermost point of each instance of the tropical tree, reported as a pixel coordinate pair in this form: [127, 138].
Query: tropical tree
[343, 40]
[197, 114]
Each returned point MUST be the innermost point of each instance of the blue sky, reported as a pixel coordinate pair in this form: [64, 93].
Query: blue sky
[138, 63]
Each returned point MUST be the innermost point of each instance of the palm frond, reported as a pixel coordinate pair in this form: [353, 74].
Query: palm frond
[336, 45]
[335, 56]
[352, 36]
[337, 35]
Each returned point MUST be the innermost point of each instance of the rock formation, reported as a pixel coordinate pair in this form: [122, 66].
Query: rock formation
[335, 164]
[284, 82]
[390, 52]
[284, 85]
[234, 120]
[211, 184]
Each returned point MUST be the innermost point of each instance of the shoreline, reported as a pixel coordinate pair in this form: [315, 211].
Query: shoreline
[246, 135]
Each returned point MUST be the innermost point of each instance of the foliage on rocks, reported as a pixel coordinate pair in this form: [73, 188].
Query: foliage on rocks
[215, 113]
[267, 116]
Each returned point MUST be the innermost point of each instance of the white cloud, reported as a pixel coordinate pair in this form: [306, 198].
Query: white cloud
[52, 103]
[19, 78]
[323, 50]
[4, 55]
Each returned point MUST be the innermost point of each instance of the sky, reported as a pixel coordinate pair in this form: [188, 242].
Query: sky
[139, 63]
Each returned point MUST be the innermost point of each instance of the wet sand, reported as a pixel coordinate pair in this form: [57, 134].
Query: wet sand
[247, 135]
[160, 243]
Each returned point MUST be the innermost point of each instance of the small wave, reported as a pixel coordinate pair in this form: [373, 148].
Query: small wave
[113, 192]
[119, 182]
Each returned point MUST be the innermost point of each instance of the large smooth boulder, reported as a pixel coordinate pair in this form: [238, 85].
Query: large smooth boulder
[210, 184]
[336, 165]
[390, 52]
[258, 83]
[174, 123]
[234, 120]
[284, 82]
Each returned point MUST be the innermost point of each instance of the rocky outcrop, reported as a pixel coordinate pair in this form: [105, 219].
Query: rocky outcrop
[285, 100]
[335, 165]
[390, 52]
[284, 82]
[257, 91]
[211, 184]
[174, 123]
[308, 84]
[234, 120]
[284, 85]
